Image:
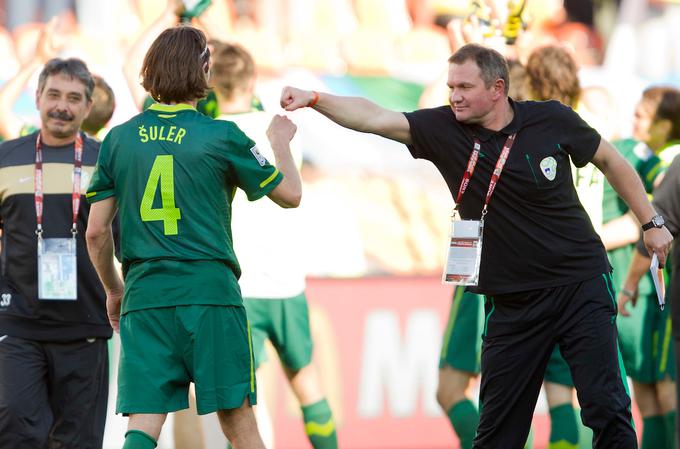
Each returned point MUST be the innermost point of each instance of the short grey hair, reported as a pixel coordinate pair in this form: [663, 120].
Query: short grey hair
[73, 67]
[492, 64]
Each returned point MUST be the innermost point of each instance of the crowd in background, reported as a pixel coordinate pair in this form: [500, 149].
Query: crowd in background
[393, 52]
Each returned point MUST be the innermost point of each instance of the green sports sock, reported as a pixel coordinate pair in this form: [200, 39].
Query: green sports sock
[653, 432]
[319, 425]
[464, 418]
[136, 439]
[530, 439]
[671, 437]
[563, 427]
[585, 434]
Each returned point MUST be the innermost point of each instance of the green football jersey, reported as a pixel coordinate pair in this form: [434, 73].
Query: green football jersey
[643, 160]
[173, 172]
[648, 166]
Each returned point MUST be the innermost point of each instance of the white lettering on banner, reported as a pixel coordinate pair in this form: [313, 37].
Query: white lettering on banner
[400, 368]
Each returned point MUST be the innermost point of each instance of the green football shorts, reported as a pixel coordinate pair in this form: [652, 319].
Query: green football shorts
[285, 322]
[462, 343]
[557, 370]
[164, 349]
[646, 341]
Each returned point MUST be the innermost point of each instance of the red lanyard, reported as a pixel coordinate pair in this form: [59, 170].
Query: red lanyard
[38, 182]
[495, 176]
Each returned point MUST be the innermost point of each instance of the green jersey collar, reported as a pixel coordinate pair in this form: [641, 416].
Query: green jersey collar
[160, 107]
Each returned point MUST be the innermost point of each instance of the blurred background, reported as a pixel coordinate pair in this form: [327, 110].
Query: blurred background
[376, 220]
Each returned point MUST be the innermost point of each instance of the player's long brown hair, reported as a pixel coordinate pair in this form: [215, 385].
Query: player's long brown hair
[175, 67]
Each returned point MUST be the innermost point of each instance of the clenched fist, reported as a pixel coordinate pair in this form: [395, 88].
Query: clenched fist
[293, 98]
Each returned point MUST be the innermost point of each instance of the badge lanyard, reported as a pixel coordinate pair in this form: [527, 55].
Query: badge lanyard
[38, 183]
[495, 176]
[57, 265]
[465, 246]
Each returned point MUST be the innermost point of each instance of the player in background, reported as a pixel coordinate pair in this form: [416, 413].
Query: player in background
[273, 280]
[645, 331]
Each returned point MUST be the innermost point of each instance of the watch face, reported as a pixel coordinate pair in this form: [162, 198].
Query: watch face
[658, 221]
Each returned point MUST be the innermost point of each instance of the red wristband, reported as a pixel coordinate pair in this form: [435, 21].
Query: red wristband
[314, 100]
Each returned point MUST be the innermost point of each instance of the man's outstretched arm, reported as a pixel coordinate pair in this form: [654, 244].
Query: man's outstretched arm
[354, 113]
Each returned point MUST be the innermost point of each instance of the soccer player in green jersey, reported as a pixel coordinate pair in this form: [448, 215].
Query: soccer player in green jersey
[273, 281]
[645, 331]
[171, 174]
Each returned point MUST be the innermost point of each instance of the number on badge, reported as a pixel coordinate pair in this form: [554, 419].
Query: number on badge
[161, 172]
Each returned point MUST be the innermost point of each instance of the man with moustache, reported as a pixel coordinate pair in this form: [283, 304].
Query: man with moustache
[53, 323]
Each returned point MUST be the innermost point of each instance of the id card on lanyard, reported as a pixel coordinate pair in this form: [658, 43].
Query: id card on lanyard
[57, 262]
[464, 251]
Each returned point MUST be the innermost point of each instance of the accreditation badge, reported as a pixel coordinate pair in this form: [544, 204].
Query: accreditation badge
[57, 269]
[464, 252]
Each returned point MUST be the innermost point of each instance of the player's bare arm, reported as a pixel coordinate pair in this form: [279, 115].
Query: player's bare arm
[619, 232]
[354, 113]
[625, 180]
[100, 246]
[639, 265]
[289, 191]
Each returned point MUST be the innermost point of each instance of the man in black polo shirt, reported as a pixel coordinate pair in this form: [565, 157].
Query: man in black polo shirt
[53, 323]
[543, 268]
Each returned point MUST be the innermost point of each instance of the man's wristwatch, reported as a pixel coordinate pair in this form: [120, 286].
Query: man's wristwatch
[656, 222]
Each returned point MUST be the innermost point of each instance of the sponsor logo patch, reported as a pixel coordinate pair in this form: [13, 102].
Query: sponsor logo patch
[260, 159]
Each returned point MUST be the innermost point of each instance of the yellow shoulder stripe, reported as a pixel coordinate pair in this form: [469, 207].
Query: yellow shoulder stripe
[562, 444]
[324, 430]
[270, 179]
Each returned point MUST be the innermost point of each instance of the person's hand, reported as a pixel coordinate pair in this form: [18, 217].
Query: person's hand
[113, 303]
[281, 131]
[49, 45]
[176, 6]
[513, 25]
[625, 296]
[293, 98]
[658, 241]
[474, 29]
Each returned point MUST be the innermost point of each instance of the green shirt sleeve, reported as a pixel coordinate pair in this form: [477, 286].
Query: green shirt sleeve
[649, 170]
[101, 185]
[248, 169]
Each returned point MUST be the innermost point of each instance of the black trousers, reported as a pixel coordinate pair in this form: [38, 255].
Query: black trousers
[53, 395]
[673, 299]
[521, 331]
[676, 350]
